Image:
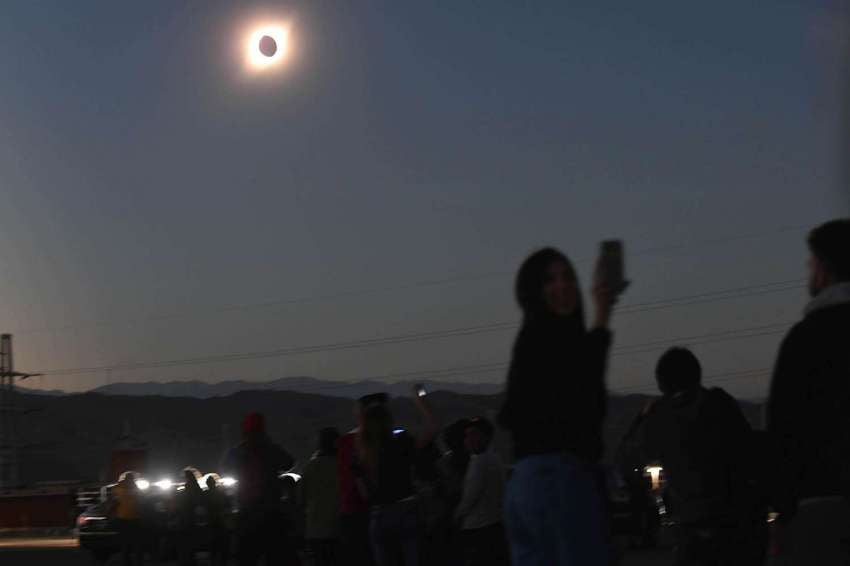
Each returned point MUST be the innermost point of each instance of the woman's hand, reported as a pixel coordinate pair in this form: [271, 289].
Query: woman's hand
[431, 427]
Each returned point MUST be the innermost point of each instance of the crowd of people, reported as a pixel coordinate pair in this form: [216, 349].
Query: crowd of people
[380, 495]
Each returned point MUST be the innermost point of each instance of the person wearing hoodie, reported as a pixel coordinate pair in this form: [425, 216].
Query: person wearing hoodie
[807, 412]
[479, 513]
[554, 409]
[702, 440]
[256, 463]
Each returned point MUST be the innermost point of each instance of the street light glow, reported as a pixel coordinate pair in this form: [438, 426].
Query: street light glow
[655, 475]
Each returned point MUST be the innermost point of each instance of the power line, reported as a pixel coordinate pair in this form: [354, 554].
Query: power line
[725, 294]
[283, 352]
[709, 297]
[379, 290]
[655, 346]
[741, 333]
[739, 375]
[722, 336]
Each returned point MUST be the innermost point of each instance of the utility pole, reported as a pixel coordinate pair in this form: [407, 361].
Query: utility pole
[9, 447]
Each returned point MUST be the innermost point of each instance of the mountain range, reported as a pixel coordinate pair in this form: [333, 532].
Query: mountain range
[349, 390]
[71, 437]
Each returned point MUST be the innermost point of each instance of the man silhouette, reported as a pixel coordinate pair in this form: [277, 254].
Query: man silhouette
[809, 407]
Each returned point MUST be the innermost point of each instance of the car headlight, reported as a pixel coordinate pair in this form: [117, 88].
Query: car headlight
[228, 482]
[143, 484]
[164, 484]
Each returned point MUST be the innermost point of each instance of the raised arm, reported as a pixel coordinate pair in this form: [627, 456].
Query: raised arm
[431, 427]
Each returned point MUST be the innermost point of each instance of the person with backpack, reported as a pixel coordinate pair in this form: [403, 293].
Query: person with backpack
[256, 464]
[703, 442]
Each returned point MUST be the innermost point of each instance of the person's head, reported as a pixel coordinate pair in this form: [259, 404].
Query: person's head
[327, 440]
[547, 284]
[363, 403]
[678, 370]
[288, 485]
[212, 481]
[253, 427]
[830, 255]
[128, 479]
[191, 479]
[479, 435]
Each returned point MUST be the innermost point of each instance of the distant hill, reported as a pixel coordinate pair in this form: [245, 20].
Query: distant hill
[28, 391]
[350, 390]
[72, 436]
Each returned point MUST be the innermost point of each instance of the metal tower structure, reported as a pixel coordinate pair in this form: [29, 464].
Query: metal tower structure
[9, 447]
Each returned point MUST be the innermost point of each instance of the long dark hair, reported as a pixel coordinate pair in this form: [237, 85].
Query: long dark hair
[376, 431]
[528, 288]
[546, 340]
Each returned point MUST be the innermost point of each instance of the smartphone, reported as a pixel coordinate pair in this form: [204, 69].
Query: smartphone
[612, 264]
[420, 390]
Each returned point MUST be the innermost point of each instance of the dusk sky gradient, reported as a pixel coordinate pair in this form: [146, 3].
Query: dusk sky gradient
[150, 182]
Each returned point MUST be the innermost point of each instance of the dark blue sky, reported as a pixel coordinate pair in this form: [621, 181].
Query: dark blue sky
[144, 172]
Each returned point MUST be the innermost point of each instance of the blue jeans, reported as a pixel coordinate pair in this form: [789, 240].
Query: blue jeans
[395, 531]
[555, 514]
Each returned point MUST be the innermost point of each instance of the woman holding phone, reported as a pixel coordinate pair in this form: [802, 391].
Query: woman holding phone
[554, 408]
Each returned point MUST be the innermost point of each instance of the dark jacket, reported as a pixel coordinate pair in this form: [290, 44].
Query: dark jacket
[192, 511]
[256, 465]
[318, 493]
[701, 439]
[555, 399]
[393, 479]
[808, 413]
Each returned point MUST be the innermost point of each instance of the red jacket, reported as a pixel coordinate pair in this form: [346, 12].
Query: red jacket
[350, 499]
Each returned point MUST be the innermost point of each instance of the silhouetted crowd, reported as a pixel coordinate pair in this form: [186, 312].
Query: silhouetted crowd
[382, 495]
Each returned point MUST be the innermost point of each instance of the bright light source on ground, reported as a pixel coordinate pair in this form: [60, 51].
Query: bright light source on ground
[143, 484]
[228, 482]
[655, 475]
[267, 46]
[164, 485]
